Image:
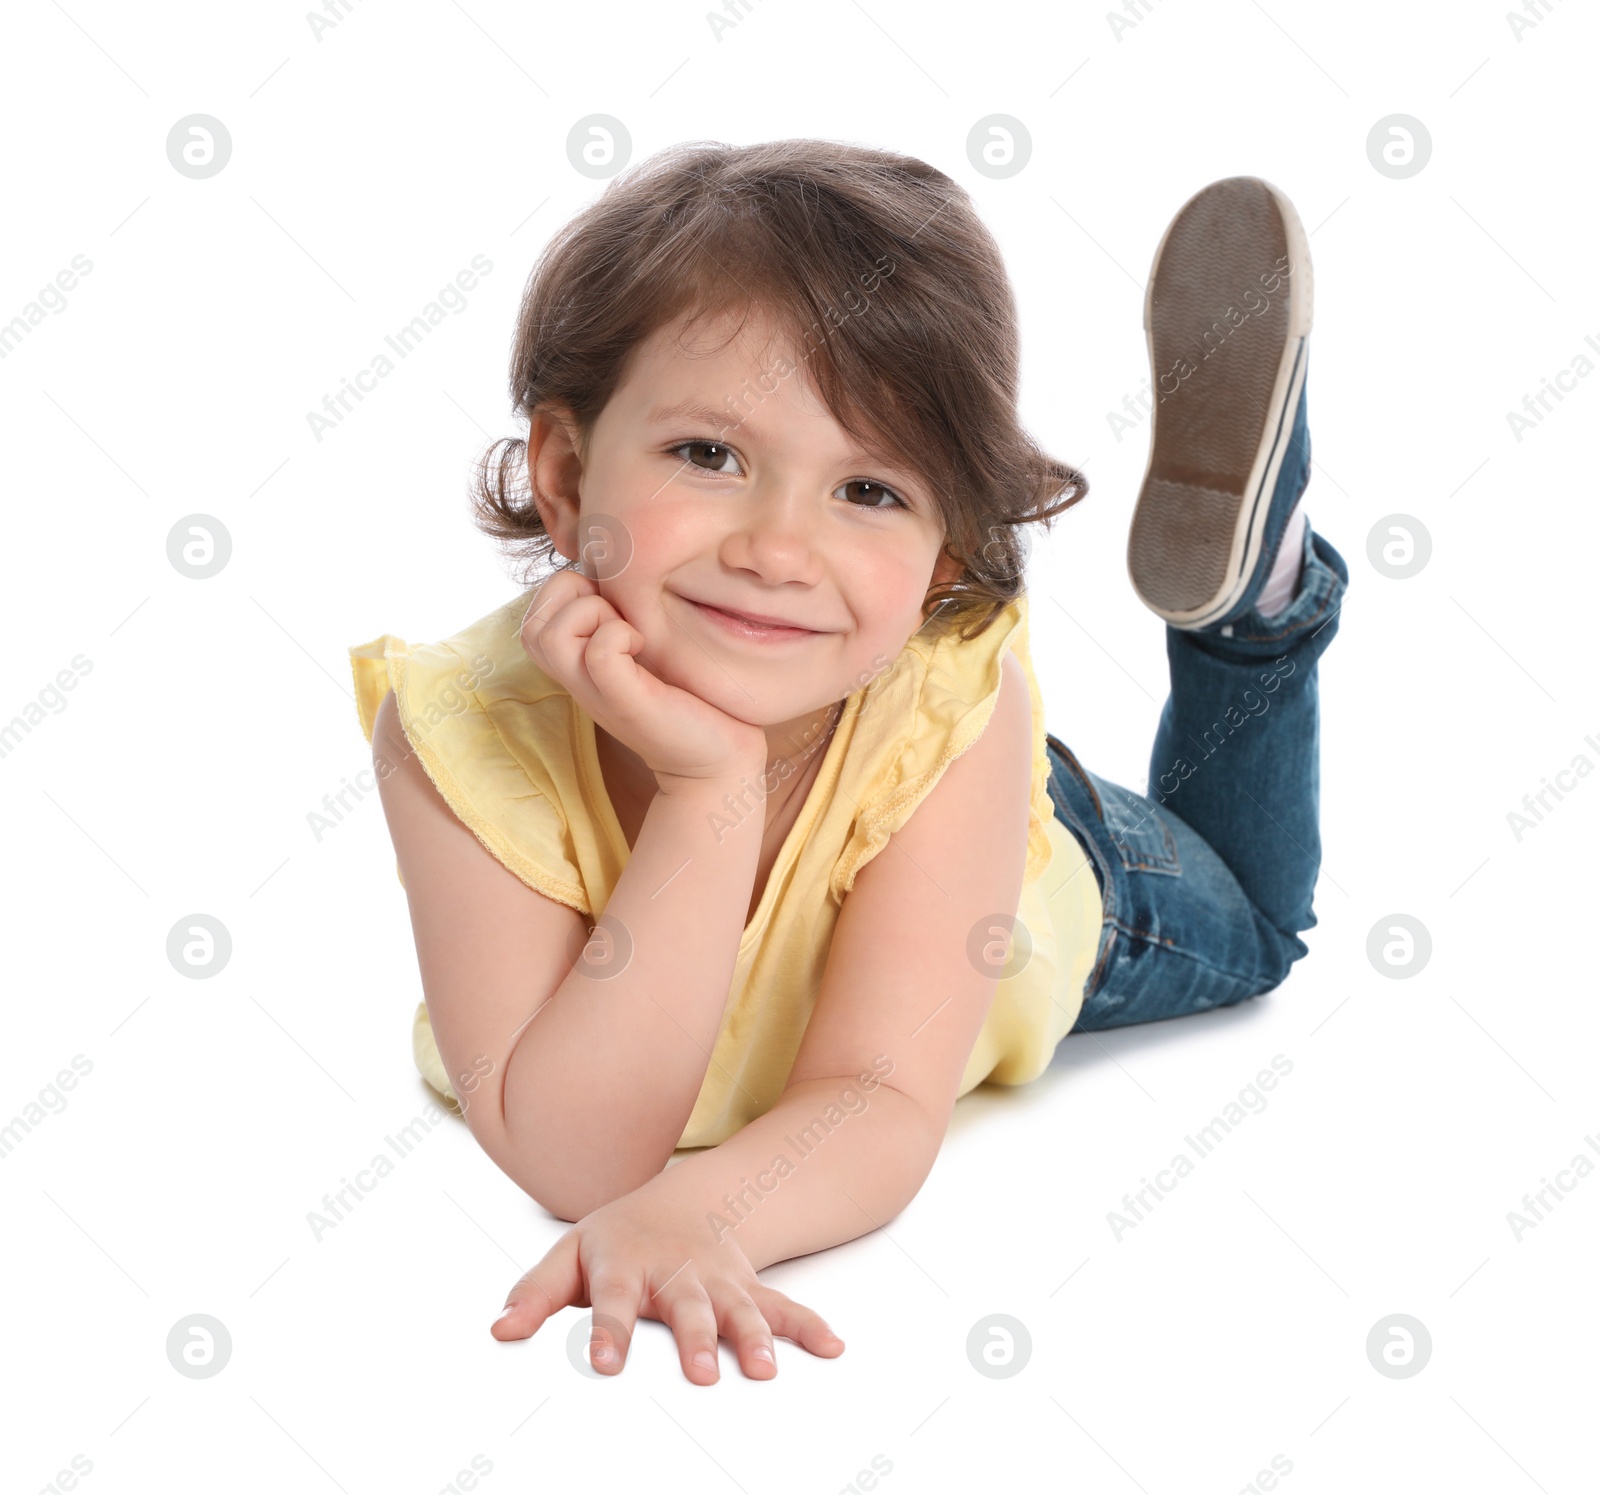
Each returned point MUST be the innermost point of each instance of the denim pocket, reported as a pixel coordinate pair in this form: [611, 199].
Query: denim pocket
[1136, 829]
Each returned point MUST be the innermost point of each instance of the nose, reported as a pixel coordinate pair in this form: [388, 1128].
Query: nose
[776, 535]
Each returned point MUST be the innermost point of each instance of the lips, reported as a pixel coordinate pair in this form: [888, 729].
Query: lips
[752, 625]
[758, 618]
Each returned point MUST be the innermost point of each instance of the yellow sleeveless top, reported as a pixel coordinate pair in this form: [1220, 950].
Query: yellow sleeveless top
[514, 756]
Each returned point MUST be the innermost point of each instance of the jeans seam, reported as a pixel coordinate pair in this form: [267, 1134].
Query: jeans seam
[1071, 761]
[1186, 954]
[1103, 875]
[1102, 966]
[1171, 869]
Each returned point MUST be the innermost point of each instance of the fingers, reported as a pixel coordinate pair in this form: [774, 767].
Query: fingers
[693, 1321]
[590, 649]
[542, 1290]
[747, 1330]
[795, 1321]
[626, 696]
[749, 1315]
[556, 642]
[615, 1299]
[608, 659]
[696, 1313]
[553, 595]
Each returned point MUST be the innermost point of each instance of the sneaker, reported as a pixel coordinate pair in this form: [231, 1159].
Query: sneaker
[1227, 315]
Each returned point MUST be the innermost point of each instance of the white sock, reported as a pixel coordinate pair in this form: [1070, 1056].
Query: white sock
[1283, 581]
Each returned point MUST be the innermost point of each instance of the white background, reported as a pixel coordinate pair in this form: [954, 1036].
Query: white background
[1229, 1327]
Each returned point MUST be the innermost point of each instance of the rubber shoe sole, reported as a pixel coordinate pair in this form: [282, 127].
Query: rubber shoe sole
[1227, 314]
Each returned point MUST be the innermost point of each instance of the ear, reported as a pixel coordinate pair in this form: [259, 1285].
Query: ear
[555, 470]
[948, 568]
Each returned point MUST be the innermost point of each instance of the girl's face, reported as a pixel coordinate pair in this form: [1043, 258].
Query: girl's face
[716, 479]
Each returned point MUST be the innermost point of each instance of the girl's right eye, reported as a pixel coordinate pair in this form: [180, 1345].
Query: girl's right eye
[720, 453]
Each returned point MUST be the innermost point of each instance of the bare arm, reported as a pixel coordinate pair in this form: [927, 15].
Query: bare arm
[873, 1086]
[604, 1078]
[832, 1159]
[869, 1096]
[576, 1081]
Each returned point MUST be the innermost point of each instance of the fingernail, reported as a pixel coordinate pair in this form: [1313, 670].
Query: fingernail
[603, 1353]
[761, 1352]
[506, 1312]
[705, 1360]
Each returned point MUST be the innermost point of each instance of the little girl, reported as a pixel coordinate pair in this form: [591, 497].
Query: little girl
[741, 831]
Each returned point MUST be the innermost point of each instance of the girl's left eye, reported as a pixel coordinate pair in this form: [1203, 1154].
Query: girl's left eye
[877, 489]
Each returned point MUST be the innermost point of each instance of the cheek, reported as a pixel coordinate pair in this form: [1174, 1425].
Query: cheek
[645, 538]
[659, 539]
[888, 584]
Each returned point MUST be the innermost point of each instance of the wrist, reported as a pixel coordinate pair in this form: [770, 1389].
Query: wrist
[713, 788]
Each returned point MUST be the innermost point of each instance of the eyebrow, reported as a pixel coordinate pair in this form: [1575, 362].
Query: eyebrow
[693, 410]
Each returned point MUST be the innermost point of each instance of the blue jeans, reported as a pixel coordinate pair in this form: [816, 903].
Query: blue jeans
[1207, 877]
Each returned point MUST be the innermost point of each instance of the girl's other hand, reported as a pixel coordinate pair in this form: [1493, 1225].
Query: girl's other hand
[581, 641]
[639, 1257]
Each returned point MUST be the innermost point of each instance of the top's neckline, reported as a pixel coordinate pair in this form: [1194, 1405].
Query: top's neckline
[589, 763]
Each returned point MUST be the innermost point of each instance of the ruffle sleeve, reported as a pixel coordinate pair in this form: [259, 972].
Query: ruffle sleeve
[917, 719]
[457, 705]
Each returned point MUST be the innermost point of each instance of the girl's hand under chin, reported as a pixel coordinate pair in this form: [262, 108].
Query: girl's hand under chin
[583, 643]
[640, 1257]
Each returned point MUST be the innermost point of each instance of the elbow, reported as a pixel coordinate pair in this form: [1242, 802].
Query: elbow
[569, 1214]
[570, 1159]
[572, 1199]
[563, 1181]
[555, 1192]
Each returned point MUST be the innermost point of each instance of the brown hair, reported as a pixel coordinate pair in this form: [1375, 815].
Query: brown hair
[920, 363]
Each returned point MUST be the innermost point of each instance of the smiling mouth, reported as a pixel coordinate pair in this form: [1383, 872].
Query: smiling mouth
[746, 627]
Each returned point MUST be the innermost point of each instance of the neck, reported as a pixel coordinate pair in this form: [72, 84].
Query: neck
[795, 750]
